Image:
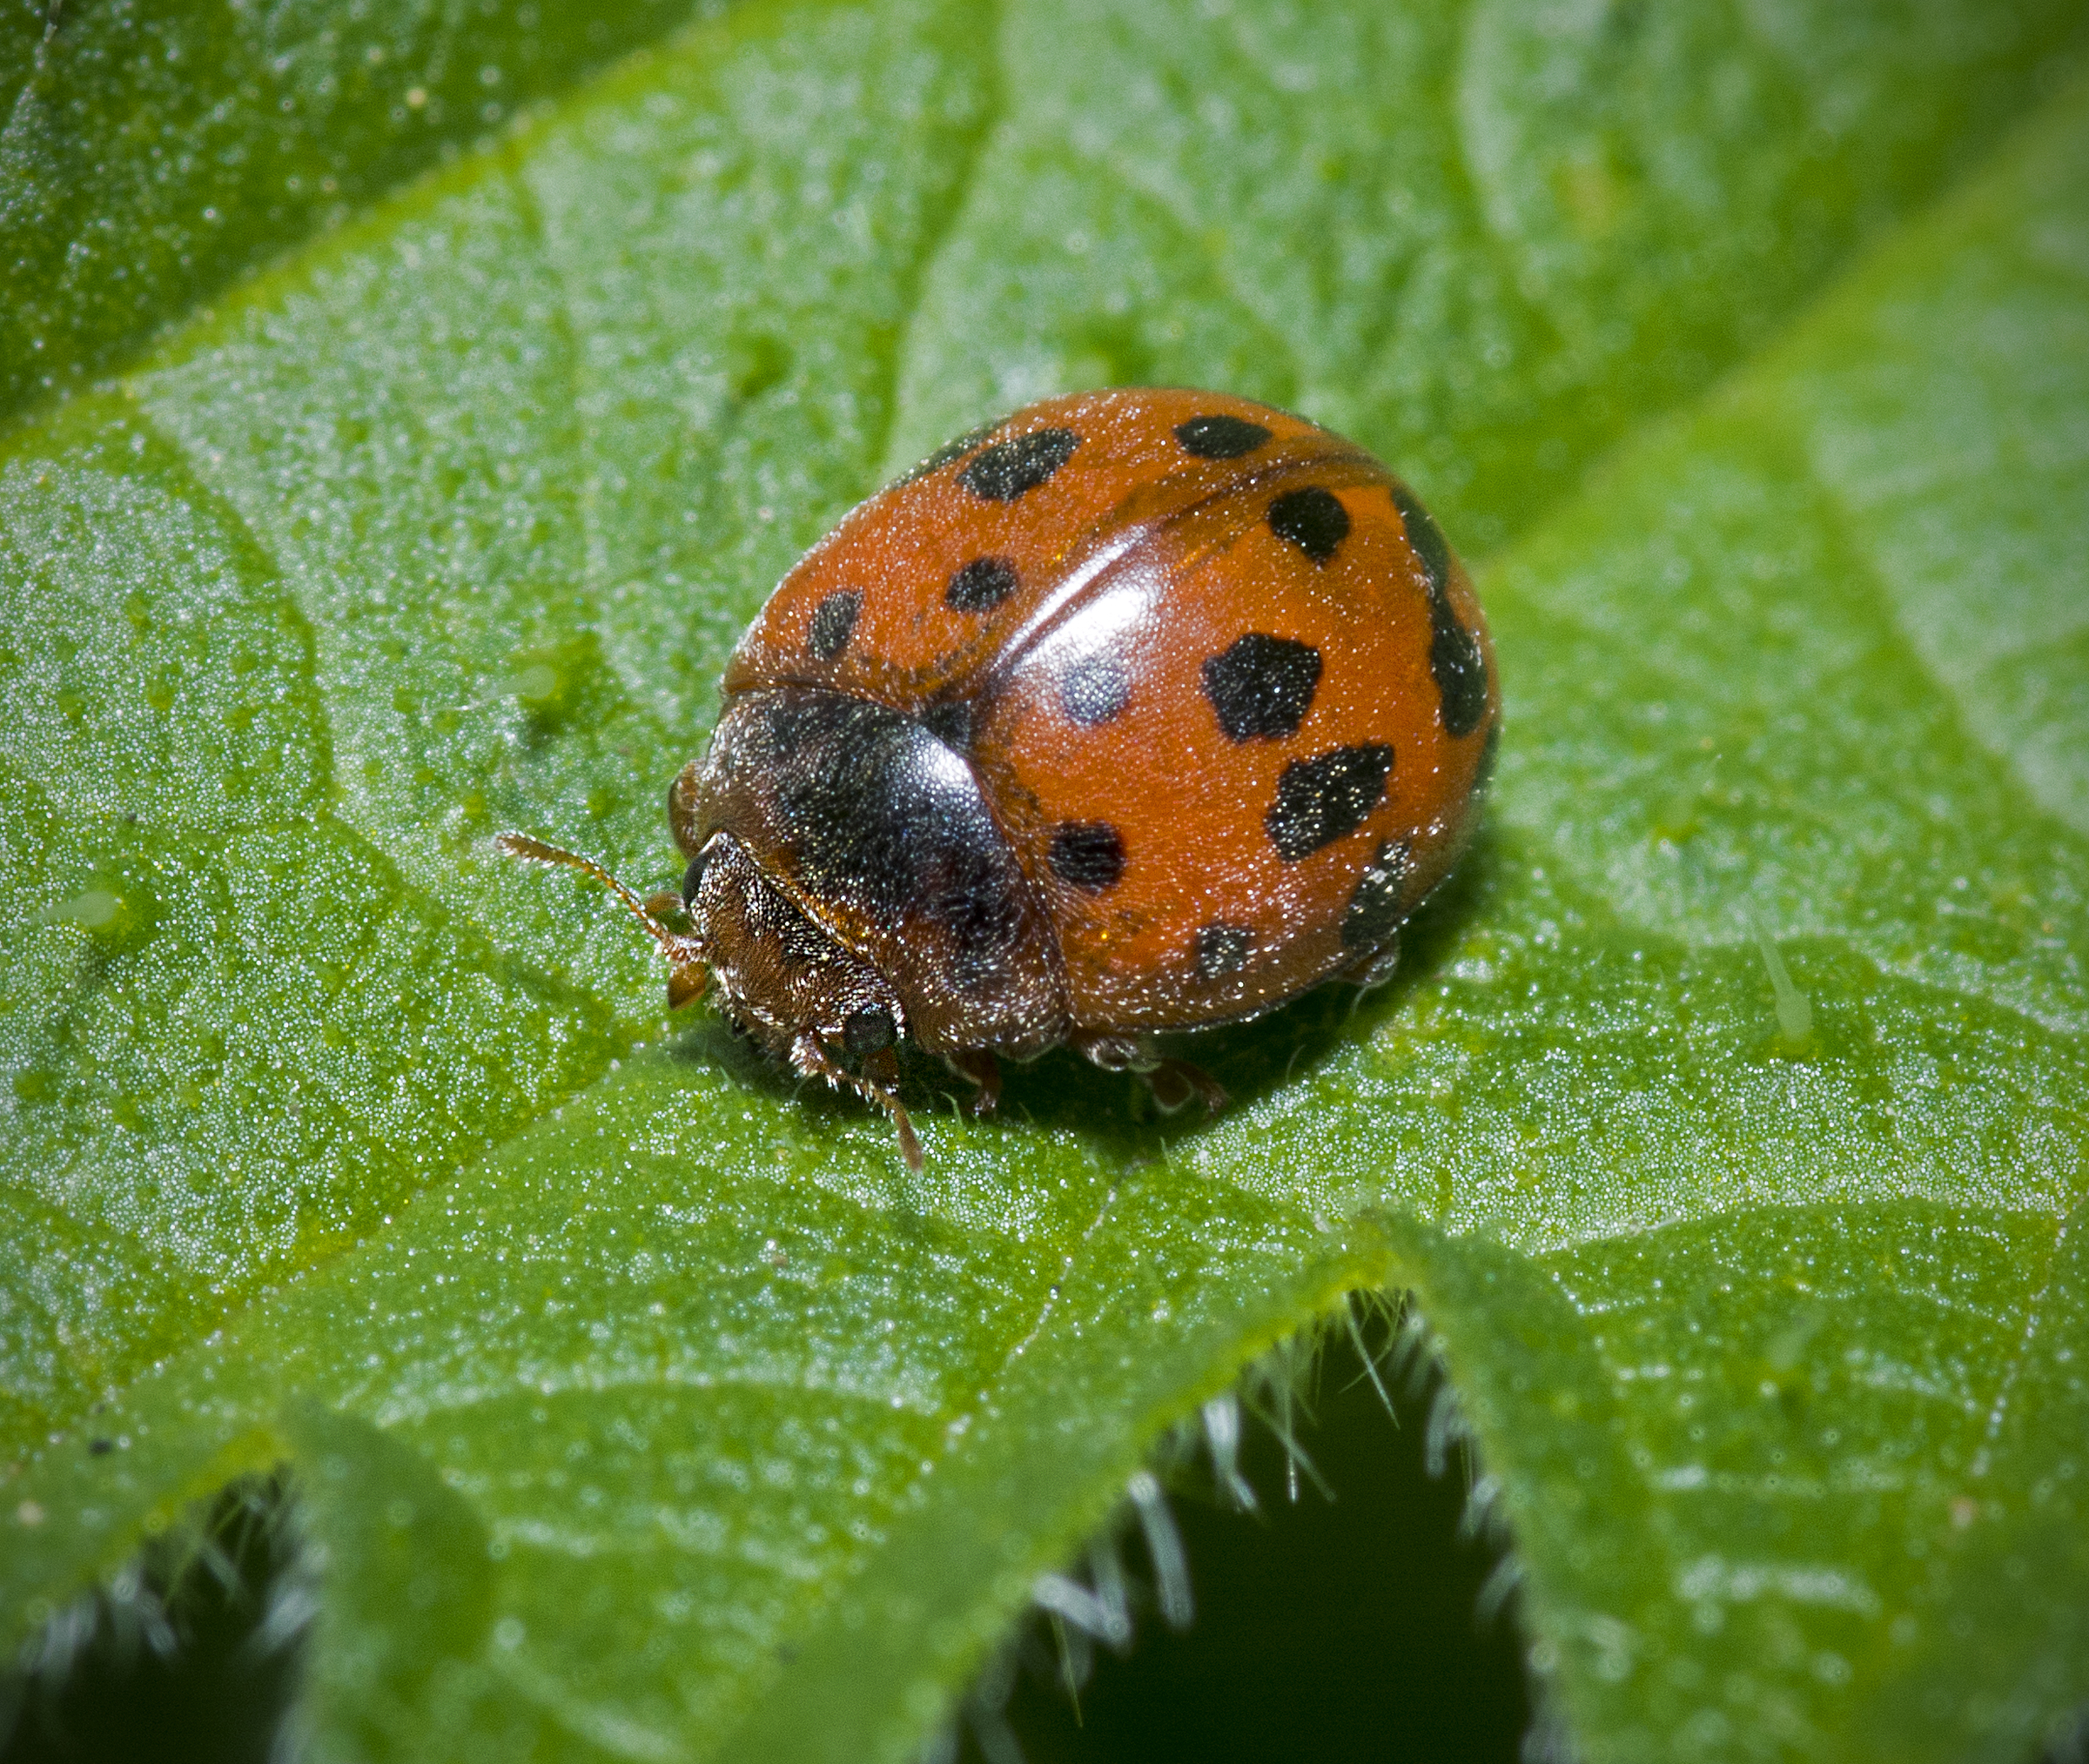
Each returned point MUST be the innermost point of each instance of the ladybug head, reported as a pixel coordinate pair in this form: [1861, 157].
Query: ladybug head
[781, 977]
[794, 986]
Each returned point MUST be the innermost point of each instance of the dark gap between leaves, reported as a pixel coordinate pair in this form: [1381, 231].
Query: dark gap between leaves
[1348, 1627]
[1345, 1631]
[179, 1672]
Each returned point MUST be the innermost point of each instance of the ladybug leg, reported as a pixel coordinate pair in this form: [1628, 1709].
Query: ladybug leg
[1117, 1053]
[978, 1066]
[1174, 1082]
[808, 1053]
[1377, 968]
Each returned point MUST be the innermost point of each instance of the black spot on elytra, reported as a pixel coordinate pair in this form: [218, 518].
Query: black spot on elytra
[1319, 801]
[1262, 687]
[1374, 913]
[1427, 539]
[1009, 468]
[950, 450]
[982, 583]
[1455, 657]
[1222, 949]
[1088, 854]
[951, 723]
[832, 622]
[1490, 750]
[1094, 690]
[1220, 436]
[1313, 519]
[1460, 669]
[870, 1031]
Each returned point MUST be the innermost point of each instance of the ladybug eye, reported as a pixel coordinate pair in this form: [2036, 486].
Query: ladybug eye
[869, 1031]
[690, 878]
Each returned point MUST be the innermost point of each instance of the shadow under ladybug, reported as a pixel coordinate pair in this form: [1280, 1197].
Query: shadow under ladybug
[1141, 711]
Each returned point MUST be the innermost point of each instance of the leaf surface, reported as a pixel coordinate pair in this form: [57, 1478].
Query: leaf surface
[150, 151]
[1728, 1122]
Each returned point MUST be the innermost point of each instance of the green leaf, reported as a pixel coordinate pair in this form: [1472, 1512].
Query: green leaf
[152, 150]
[1729, 1123]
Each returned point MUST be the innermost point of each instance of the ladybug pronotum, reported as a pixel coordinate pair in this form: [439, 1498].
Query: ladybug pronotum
[1140, 710]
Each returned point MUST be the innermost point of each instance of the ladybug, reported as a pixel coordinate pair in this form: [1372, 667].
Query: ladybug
[1140, 710]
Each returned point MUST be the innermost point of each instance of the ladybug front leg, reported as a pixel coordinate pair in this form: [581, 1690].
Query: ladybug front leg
[979, 1066]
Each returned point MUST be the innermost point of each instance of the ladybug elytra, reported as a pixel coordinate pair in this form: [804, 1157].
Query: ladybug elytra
[1141, 710]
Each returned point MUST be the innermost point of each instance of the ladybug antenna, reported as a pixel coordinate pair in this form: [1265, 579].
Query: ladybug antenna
[682, 951]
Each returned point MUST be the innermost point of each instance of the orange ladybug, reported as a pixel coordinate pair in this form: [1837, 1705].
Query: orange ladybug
[1138, 710]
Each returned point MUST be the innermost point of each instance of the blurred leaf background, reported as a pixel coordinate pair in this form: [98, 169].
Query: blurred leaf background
[409, 403]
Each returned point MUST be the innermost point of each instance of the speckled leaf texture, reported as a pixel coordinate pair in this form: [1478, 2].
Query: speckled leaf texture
[639, 1404]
